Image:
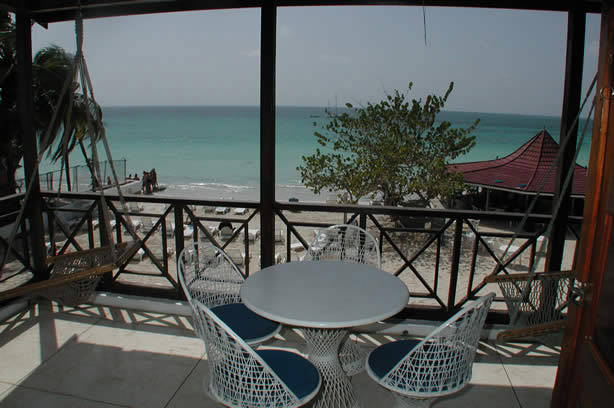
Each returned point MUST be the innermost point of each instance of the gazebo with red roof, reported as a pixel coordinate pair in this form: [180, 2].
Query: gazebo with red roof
[524, 171]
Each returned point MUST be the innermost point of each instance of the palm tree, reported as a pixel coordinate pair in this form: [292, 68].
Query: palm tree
[51, 67]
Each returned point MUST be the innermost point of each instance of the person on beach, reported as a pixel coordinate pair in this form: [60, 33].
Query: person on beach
[154, 178]
[145, 183]
[109, 180]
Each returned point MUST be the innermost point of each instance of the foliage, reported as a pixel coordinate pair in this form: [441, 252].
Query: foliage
[393, 148]
[51, 68]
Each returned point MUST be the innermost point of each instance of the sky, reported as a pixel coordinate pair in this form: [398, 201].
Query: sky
[500, 60]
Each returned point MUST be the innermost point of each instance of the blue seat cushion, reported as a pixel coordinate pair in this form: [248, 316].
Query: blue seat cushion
[247, 324]
[295, 371]
[386, 356]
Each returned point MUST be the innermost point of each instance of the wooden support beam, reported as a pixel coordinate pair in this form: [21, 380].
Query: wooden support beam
[34, 209]
[268, 28]
[576, 23]
[590, 256]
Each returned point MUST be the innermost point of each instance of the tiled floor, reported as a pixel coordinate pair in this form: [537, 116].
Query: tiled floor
[99, 356]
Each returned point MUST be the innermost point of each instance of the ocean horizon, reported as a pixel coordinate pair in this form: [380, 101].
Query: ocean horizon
[212, 152]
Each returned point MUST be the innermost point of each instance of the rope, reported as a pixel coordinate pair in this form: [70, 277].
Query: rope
[88, 91]
[568, 177]
[525, 292]
[424, 21]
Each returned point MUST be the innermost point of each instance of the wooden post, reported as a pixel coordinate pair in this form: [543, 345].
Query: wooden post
[576, 23]
[268, 27]
[566, 387]
[456, 254]
[34, 209]
[179, 238]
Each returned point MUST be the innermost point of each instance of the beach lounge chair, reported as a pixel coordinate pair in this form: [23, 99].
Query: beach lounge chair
[237, 256]
[252, 234]
[221, 210]
[240, 211]
[170, 229]
[279, 235]
[212, 230]
[147, 225]
[136, 225]
[135, 207]
[138, 257]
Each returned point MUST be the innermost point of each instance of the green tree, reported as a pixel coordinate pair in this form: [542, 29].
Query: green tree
[51, 67]
[394, 148]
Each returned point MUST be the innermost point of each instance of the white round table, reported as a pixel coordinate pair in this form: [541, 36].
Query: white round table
[324, 298]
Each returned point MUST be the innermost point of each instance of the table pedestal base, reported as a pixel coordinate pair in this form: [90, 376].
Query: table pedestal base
[323, 348]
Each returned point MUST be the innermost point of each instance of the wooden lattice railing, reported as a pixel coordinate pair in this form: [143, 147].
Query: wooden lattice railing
[441, 254]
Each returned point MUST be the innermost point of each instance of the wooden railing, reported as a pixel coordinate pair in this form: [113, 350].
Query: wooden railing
[460, 247]
[442, 255]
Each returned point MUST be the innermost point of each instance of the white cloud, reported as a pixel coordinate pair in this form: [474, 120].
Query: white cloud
[336, 59]
[251, 53]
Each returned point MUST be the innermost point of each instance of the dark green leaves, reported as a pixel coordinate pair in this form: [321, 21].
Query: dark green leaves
[394, 148]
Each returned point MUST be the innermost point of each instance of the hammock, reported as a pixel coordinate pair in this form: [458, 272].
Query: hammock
[74, 276]
[537, 302]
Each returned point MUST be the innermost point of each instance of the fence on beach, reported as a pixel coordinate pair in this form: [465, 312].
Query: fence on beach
[80, 177]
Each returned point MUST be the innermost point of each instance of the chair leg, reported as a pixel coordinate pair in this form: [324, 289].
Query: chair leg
[402, 401]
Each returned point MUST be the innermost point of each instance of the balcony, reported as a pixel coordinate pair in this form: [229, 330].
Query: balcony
[102, 356]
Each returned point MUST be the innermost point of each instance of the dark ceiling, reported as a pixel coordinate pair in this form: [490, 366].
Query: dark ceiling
[46, 11]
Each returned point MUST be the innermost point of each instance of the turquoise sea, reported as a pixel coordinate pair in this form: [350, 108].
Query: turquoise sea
[213, 151]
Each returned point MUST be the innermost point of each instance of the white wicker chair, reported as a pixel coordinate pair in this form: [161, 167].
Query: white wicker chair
[242, 377]
[346, 243]
[207, 274]
[418, 372]
[352, 244]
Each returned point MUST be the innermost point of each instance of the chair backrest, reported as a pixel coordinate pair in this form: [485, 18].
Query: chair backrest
[345, 242]
[441, 363]
[207, 274]
[238, 375]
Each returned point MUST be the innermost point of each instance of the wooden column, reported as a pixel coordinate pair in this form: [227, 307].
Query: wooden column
[576, 22]
[268, 30]
[34, 210]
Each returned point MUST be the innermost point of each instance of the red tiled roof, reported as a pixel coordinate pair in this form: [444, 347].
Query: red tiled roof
[523, 170]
